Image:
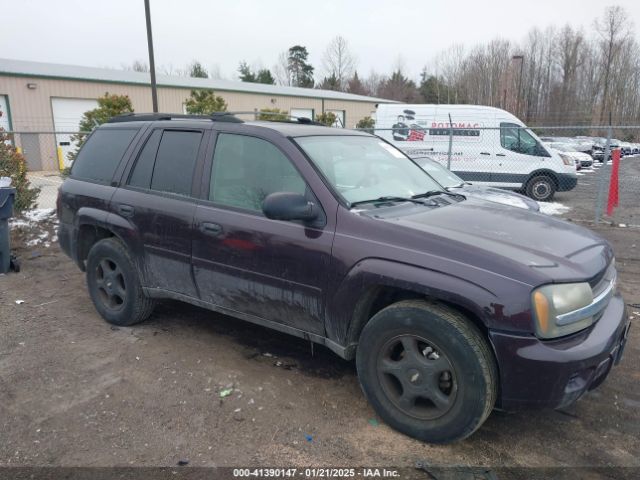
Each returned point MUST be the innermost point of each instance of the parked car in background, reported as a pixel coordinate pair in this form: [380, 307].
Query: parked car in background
[455, 184]
[450, 306]
[626, 148]
[490, 146]
[584, 145]
[583, 160]
[600, 146]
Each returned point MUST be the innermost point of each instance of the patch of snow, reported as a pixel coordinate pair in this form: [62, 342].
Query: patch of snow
[553, 208]
[33, 216]
[16, 222]
[39, 214]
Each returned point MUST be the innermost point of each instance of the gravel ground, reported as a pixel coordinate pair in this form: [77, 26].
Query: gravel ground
[193, 385]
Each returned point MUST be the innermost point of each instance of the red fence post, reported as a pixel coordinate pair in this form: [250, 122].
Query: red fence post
[613, 183]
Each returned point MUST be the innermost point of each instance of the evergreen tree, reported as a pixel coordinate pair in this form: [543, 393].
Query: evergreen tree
[205, 102]
[300, 71]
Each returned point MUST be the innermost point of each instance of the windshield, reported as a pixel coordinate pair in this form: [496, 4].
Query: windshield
[365, 168]
[443, 176]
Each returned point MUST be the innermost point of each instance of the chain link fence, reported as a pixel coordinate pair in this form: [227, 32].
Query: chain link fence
[573, 163]
[566, 169]
[46, 154]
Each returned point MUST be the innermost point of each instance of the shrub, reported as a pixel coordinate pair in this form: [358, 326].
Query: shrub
[204, 102]
[367, 124]
[14, 165]
[327, 118]
[274, 114]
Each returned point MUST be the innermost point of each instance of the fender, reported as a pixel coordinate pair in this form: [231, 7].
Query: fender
[85, 216]
[124, 230]
[543, 171]
[347, 309]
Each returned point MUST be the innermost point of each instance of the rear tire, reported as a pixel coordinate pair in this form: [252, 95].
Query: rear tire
[541, 188]
[114, 285]
[427, 371]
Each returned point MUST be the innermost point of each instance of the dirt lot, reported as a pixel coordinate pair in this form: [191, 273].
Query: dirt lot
[76, 391]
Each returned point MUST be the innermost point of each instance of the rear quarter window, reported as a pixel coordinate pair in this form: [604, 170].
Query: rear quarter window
[101, 154]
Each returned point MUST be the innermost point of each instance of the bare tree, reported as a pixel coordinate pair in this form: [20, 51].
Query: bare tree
[373, 82]
[140, 66]
[281, 69]
[614, 30]
[338, 61]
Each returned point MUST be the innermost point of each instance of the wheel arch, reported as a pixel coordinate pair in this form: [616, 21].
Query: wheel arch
[380, 283]
[546, 172]
[93, 225]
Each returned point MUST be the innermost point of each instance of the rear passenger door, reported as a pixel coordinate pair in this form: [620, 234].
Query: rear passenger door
[157, 200]
[269, 269]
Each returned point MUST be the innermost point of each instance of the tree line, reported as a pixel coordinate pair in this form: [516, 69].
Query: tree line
[555, 76]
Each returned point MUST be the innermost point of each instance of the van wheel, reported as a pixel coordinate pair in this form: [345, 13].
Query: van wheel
[114, 285]
[541, 188]
[427, 371]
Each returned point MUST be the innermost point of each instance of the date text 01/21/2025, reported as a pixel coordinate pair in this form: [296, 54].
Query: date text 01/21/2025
[315, 472]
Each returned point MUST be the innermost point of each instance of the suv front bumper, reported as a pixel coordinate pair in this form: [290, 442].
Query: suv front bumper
[555, 373]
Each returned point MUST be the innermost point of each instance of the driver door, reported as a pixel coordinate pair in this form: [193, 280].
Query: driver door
[242, 261]
[518, 156]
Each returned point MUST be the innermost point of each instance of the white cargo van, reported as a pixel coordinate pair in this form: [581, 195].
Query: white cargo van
[490, 146]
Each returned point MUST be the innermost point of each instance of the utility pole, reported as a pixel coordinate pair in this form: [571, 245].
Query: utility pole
[519, 93]
[152, 65]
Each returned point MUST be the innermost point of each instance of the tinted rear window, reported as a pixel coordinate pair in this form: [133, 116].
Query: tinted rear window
[141, 175]
[101, 154]
[175, 161]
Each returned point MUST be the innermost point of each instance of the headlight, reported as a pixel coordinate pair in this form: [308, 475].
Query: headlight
[567, 160]
[552, 303]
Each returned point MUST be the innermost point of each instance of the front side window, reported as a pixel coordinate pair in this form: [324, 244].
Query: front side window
[100, 156]
[363, 168]
[518, 139]
[247, 169]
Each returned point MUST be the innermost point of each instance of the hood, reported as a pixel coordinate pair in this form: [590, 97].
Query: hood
[528, 246]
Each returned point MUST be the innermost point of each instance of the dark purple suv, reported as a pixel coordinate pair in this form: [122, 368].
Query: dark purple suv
[451, 306]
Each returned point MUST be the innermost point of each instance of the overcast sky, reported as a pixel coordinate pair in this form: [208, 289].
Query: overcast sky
[110, 33]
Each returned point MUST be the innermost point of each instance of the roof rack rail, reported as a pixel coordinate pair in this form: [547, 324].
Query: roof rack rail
[278, 117]
[150, 117]
[215, 117]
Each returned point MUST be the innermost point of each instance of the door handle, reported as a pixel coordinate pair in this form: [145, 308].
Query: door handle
[209, 228]
[126, 210]
[500, 155]
[485, 153]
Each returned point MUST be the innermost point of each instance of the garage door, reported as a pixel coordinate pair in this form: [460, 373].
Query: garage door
[339, 123]
[5, 123]
[302, 113]
[67, 113]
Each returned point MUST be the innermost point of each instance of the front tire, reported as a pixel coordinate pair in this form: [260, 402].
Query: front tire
[541, 188]
[427, 371]
[114, 285]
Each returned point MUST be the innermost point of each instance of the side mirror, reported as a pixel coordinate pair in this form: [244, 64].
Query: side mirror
[289, 206]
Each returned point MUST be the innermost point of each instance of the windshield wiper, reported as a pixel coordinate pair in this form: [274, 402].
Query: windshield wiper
[389, 199]
[433, 193]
